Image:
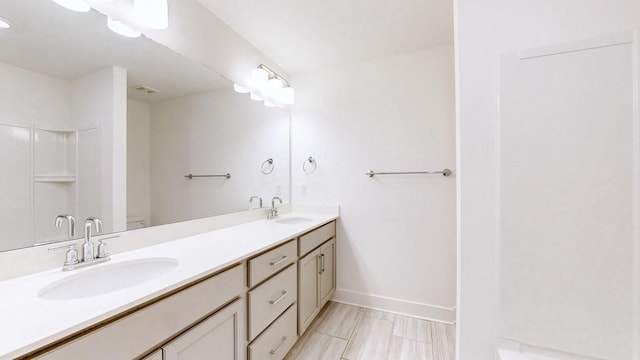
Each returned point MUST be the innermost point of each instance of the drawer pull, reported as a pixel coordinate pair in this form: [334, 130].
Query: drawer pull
[282, 340]
[276, 263]
[322, 258]
[282, 294]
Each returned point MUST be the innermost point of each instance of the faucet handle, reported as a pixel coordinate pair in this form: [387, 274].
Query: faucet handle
[72, 253]
[103, 250]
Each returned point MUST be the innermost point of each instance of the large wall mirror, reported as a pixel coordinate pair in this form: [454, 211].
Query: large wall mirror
[74, 96]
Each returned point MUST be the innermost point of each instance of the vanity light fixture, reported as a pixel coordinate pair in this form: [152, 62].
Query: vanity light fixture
[75, 5]
[5, 23]
[240, 89]
[259, 79]
[287, 95]
[120, 28]
[154, 14]
[267, 85]
[274, 86]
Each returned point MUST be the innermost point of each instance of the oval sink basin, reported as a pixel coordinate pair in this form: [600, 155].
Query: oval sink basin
[108, 278]
[293, 220]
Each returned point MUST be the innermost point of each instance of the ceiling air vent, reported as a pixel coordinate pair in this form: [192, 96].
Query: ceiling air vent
[147, 89]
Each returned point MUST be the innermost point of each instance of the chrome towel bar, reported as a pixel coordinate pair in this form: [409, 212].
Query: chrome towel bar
[445, 172]
[191, 176]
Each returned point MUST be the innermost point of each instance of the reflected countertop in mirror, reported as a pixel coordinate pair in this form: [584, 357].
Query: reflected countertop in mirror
[75, 96]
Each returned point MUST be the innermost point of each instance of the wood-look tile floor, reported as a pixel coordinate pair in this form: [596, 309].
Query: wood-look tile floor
[346, 332]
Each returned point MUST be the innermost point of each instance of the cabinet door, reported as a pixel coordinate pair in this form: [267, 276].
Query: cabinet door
[327, 271]
[216, 338]
[156, 355]
[308, 301]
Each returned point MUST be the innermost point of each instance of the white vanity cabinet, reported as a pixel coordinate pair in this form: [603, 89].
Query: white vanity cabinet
[272, 281]
[156, 355]
[150, 326]
[316, 273]
[216, 338]
[255, 309]
[326, 272]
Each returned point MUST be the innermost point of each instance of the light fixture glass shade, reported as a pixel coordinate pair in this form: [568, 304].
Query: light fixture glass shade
[274, 86]
[121, 29]
[268, 103]
[287, 96]
[259, 78]
[154, 14]
[5, 23]
[75, 5]
[256, 97]
[240, 89]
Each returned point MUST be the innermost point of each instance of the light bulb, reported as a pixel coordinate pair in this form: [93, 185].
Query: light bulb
[287, 96]
[274, 86]
[5, 23]
[75, 5]
[240, 89]
[256, 97]
[259, 78]
[121, 29]
[154, 14]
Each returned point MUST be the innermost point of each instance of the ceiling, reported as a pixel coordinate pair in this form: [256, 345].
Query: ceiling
[49, 39]
[301, 35]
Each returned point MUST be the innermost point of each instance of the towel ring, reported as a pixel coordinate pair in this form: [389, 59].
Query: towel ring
[312, 161]
[267, 166]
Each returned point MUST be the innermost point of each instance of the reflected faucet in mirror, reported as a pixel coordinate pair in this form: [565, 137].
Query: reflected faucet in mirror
[255, 198]
[71, 224]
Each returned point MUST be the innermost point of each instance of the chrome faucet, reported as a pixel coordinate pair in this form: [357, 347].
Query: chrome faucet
[87, 247]
[254, 198]
[273, 212]
[71, 260]
[71, 232]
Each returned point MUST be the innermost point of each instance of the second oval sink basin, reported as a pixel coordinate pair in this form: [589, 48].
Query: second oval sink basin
[108, 278]
[293, 220]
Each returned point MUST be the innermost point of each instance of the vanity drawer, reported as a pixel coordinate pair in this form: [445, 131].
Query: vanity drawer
[152, 325]
[269, 300]
[313, 239]
[269, 263]
[277, 340]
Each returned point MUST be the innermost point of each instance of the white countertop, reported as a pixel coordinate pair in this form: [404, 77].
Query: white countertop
[28, 322]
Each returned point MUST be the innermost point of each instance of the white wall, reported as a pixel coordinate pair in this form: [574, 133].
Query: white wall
[138, 159]
[29, 98]
[396, 234]
[215, 133]
[484, 30]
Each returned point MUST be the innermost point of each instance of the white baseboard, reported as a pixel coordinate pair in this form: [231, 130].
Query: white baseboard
[396, 306]
[512, 350]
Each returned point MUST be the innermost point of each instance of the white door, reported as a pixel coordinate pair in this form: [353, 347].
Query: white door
[568, 197]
